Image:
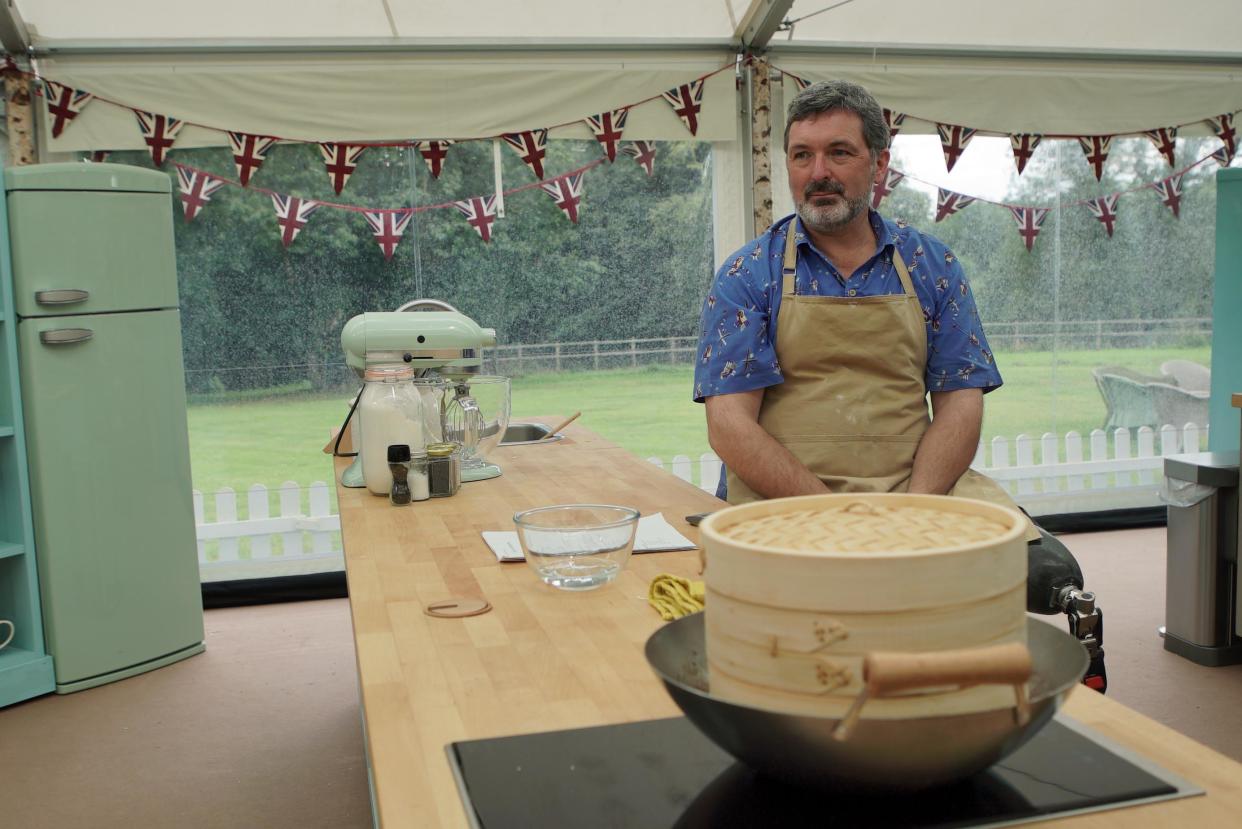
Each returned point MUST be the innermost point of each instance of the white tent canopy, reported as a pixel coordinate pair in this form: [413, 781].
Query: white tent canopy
[393, 69]
[1196, 28]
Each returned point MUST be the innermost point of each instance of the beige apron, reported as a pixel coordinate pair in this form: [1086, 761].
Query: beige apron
[853, 404]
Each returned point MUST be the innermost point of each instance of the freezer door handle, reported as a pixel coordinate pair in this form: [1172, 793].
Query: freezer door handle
[65, 336]
[66, 296]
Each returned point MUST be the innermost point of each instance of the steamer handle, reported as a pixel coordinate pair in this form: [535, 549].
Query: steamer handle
[887, 673]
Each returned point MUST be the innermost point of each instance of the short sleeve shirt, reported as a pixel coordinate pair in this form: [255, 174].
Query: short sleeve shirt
[737, 332]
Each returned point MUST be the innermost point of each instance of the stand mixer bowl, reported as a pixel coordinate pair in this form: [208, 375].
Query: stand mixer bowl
[477, 418]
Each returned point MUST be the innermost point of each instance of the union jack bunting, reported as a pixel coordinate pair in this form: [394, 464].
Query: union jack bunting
[292, 214]
[644, 153]
[480, 212]
[566, 191]
[1105, 209]
[802, 83]
[607, 127]
[63, 104]
[686, 100]
[1095, 147]
[885, 187]
[341, 161]
[1023, 145]
[894, 121]
[388, 226]
[196, 189]
[954, 140]
[948, 202]
[1221, 156]
[1029, 220]
[531, 146]
[1222, 126]
[249, 151]
[159, 132]
[1170, 190]
[434, 153]
[1165, 140]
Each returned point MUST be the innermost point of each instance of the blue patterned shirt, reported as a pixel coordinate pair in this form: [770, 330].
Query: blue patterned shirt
[737, 332]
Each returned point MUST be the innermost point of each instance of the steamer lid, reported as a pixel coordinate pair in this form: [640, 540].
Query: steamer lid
[865, 526]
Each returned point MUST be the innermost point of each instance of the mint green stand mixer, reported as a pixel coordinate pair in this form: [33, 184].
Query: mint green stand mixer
[438, 341]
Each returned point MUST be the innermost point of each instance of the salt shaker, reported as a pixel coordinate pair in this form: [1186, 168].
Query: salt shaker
[417, 478]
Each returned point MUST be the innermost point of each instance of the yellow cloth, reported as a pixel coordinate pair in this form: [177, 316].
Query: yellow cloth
[674, 597]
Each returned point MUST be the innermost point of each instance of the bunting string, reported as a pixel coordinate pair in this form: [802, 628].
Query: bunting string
[954, 138]
[355, 208]
[1062, 205]
[159, 131]
[387, 225]
[1030, 219]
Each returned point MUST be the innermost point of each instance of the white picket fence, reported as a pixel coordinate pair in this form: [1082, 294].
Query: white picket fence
[1046, 475]
[306, 528]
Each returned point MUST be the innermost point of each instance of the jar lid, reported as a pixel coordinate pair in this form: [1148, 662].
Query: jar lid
[391, 372]
[441, 450]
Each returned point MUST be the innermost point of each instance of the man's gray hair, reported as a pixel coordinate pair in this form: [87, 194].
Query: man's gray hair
[828, 95]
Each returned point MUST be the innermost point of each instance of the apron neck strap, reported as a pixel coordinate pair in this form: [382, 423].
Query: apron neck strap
[903, 273]
[790, 268]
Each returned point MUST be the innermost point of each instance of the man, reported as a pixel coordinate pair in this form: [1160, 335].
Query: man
[821, 339]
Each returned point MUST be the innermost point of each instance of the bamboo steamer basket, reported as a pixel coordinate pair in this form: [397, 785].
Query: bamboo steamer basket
[800, 591]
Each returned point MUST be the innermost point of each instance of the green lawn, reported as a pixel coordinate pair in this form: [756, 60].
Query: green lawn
[647, 410]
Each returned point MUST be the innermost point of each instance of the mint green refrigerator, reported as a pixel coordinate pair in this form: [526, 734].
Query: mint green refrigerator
[103, 394]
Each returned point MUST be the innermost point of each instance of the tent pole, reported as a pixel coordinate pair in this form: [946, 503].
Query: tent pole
[761, 143]
[761, 20]
[18, 113]
[19, 119]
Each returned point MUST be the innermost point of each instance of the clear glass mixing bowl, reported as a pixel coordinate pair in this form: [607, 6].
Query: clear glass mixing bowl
[577, 546]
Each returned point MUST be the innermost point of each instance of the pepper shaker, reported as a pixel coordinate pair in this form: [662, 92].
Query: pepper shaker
[443, 469]
[398, 460]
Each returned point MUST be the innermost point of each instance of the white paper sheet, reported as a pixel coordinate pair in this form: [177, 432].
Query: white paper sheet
[654, 534]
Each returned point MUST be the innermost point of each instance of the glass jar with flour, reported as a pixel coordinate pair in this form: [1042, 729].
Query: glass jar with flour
[390, 412]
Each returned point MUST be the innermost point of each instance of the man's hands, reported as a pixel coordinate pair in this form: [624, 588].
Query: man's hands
[771, 470]
[949, 444]
[751, 453]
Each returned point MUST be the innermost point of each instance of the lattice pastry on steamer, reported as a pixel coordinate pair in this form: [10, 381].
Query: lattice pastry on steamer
[864, 527]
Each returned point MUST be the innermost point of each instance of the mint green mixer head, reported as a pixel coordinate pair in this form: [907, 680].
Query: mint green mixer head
[444, 340]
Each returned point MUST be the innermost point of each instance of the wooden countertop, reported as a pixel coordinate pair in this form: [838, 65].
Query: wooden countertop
[1236, 399]
[544, 659]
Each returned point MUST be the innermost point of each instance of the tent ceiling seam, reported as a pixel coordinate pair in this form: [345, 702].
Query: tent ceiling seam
[392, 24]
[67, 48]
[880, 52]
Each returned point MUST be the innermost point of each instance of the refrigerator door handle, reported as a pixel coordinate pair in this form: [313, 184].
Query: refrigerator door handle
[66, 296]
[65, 336]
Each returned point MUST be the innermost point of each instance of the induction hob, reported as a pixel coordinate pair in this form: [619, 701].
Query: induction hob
[665, 773]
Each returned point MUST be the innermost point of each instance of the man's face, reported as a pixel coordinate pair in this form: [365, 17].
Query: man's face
[831, 171]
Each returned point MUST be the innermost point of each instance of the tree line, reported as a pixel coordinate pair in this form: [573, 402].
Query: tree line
[637, 263]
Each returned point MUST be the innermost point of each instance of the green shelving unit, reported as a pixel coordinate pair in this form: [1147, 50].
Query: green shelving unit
[25, 667]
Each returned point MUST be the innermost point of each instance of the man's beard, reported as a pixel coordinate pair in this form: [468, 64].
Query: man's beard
[830, 218]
